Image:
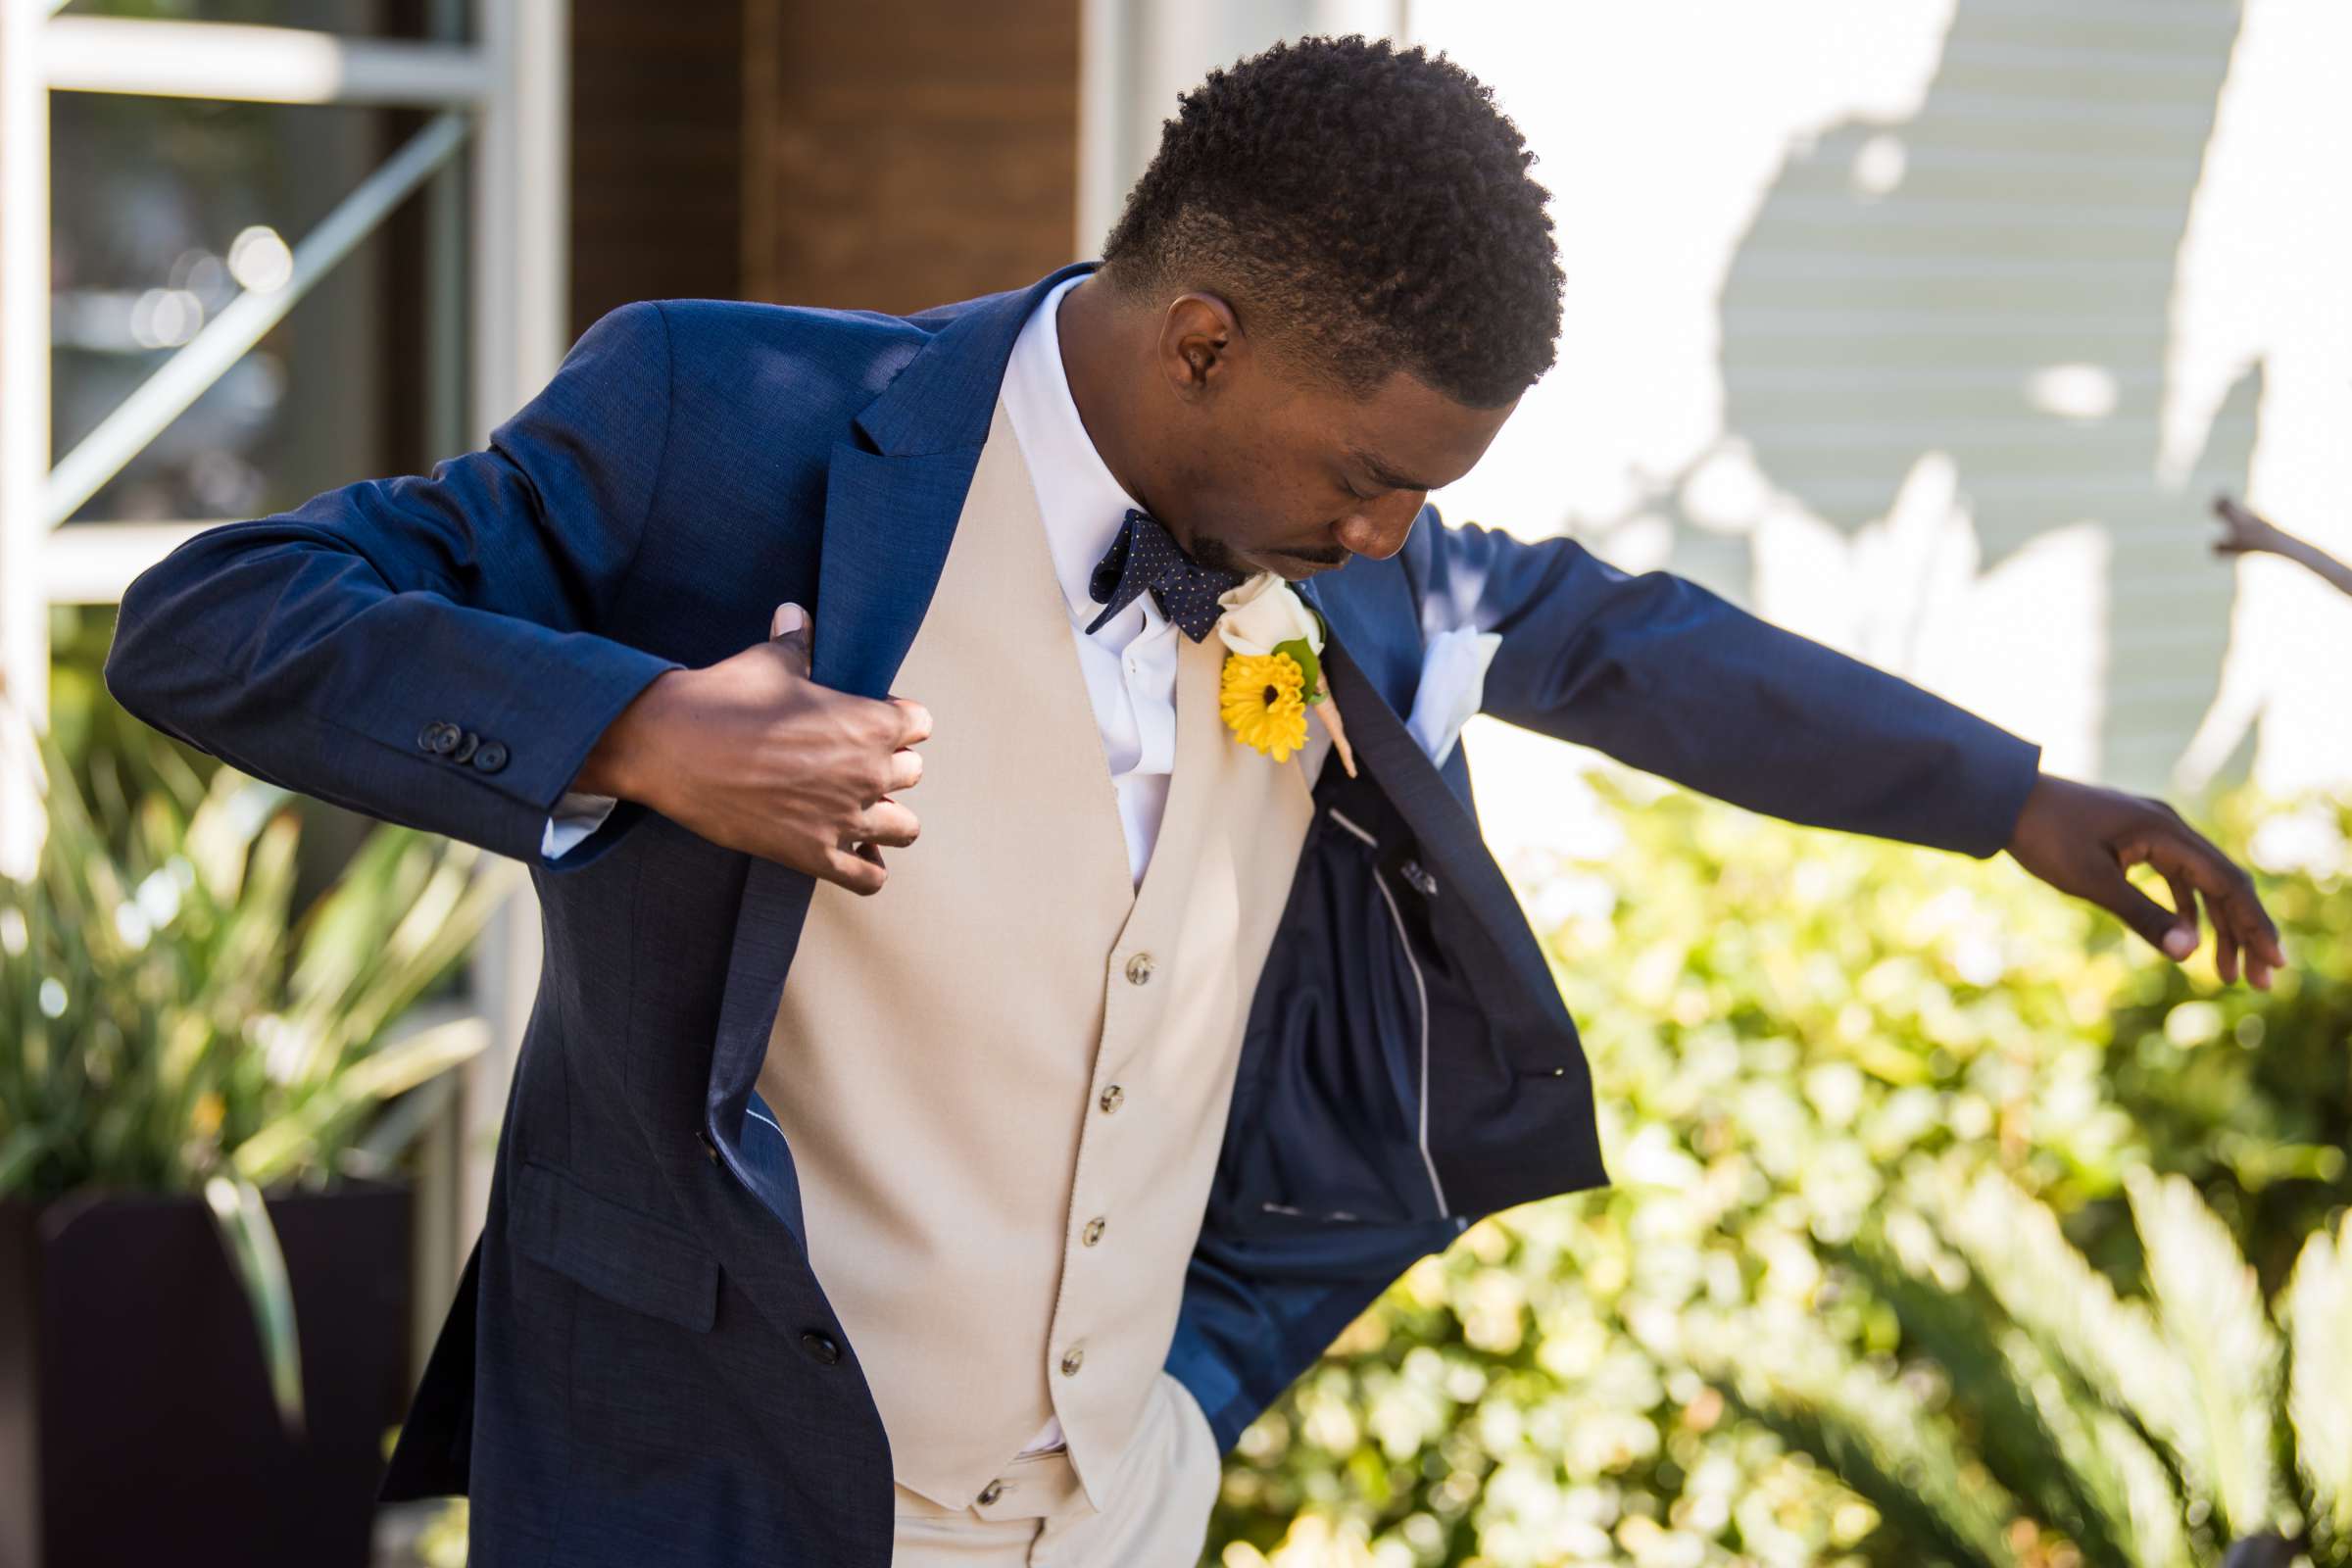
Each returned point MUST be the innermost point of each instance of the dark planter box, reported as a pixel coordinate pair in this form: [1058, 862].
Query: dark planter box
[136, 1426]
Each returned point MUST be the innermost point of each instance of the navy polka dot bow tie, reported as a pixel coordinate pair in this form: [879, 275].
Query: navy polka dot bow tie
[1146, 556]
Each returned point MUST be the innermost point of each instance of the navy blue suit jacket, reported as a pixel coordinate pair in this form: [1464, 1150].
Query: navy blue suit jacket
[641, 1366]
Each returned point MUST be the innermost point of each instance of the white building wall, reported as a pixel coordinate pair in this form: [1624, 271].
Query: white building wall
[1929, 328]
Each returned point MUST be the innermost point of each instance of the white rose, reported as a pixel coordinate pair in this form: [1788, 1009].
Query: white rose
[1263, 613]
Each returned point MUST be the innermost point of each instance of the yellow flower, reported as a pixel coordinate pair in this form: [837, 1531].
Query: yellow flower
[1262, 705]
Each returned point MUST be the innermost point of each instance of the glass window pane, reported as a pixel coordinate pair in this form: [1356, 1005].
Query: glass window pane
[162, 210]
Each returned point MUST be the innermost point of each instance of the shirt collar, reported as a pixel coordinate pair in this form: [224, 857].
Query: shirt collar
[1083, 506]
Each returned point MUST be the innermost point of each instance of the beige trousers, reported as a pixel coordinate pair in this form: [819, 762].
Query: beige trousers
[1157, 1513]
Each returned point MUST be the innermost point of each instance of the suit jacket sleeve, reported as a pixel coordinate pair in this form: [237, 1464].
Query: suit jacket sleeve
[1662, 674]
[314, 649]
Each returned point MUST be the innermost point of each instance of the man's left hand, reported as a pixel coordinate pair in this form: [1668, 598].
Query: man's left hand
[2081, 840]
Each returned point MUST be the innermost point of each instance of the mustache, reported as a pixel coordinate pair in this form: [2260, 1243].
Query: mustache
[1215, 553]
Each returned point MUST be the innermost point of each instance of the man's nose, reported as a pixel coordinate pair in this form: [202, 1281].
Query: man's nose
[1378, 528]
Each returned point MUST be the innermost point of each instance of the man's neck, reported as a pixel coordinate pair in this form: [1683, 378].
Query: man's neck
[1101, 342]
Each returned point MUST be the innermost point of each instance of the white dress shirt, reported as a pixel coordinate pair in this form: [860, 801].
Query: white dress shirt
[1130, 664]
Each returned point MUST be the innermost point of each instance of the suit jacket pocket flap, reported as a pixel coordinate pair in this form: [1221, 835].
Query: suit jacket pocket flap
[630, 1260]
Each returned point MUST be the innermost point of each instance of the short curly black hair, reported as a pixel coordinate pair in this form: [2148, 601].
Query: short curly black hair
[1367, 202]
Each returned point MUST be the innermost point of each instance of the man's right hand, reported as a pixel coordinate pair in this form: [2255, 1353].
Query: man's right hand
[753, 754]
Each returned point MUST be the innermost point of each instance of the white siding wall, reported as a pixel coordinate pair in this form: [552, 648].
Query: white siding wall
[1929, 327]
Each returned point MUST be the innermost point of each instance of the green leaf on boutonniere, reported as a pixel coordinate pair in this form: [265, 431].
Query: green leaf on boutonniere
[1308, 665]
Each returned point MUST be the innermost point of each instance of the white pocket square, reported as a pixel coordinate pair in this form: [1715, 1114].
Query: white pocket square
[1453, 681]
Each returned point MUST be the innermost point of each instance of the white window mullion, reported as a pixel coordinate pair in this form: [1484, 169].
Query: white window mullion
[521, 217]
[238, 63]
[24, 422]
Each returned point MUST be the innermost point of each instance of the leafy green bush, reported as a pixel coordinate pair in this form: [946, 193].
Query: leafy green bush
[2042, 1417]
[2247, 1095]
[1785, 1029]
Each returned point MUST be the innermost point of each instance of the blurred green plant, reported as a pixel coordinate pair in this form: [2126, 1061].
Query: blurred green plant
[2248, 1094]
[170, 1023]
[1789, 1031]
[2045, 1418]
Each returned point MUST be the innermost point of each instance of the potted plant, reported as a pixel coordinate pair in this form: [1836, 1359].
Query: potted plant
[203, 1274]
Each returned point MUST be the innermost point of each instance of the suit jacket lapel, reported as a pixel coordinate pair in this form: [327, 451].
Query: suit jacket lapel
[890, 515]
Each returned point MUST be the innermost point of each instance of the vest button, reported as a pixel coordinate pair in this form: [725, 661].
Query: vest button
[1092, 1232]
[820, 1346]
[991, 1492]
[1071, 1360]
[1139, 968]
[1112, 1099]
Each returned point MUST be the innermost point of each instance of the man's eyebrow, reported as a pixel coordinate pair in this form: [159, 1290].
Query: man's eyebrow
[1381, 474]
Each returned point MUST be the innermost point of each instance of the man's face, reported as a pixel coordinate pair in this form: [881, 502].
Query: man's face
[1281, 472]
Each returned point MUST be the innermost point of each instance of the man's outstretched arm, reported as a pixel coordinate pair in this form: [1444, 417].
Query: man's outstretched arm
[1662, 674]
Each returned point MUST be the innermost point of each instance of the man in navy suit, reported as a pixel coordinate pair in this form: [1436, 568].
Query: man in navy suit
[984, 1233]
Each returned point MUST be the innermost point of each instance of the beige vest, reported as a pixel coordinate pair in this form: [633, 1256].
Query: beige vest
[1005, 1078]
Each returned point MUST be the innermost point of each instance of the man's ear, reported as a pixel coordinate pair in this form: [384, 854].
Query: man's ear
[1201, 345]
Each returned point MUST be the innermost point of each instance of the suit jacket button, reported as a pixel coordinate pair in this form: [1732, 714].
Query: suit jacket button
[440, 737]
[820, 1346]
[467, 746]
[991, 1492]
[490, 758]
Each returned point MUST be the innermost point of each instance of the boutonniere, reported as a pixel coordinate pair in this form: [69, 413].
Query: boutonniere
[1274, 670]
